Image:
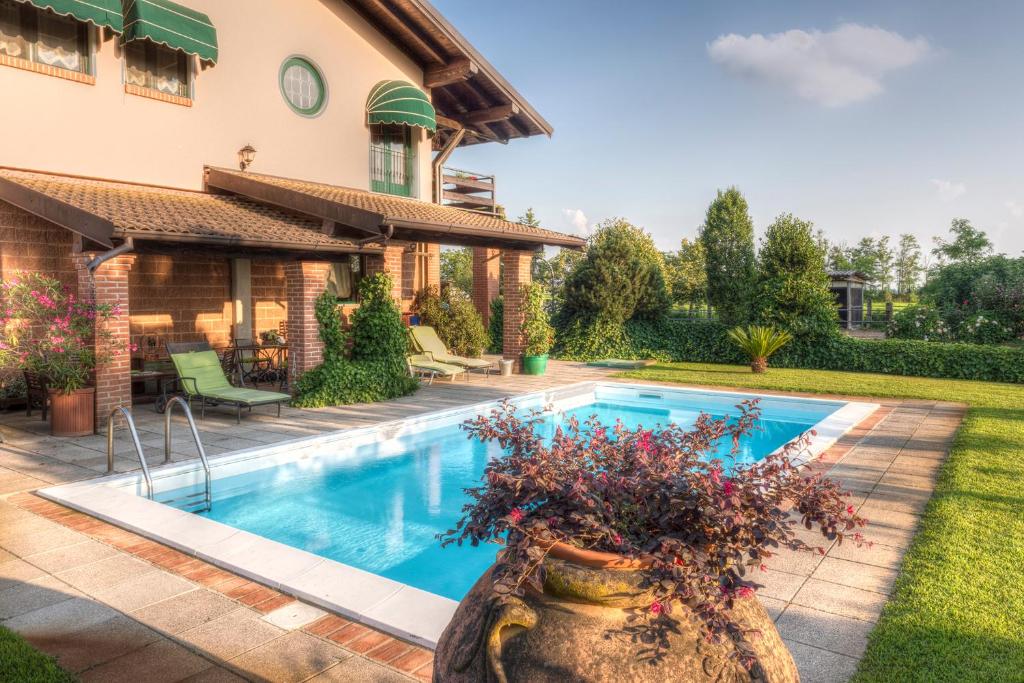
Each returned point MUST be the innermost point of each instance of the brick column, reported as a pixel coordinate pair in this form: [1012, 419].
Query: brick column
[486, 271]
[305, 281]
[516, 274]
[389, 262]
[434, 265]
[108, 285]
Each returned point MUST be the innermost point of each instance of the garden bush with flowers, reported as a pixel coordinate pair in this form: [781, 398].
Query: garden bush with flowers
[704, 524]
[48, 330]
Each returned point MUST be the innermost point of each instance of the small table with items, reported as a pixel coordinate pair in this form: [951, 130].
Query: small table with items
[260, 363]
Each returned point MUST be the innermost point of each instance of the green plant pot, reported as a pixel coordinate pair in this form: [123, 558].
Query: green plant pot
[535, 365]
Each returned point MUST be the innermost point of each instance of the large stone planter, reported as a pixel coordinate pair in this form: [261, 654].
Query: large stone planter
[577, 630]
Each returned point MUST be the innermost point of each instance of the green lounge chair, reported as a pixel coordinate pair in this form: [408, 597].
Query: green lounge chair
[424, 365]
[201, 376]
[426, 340]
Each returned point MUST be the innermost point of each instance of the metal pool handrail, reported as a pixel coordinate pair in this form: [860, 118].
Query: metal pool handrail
[135, 440]
[207, 494]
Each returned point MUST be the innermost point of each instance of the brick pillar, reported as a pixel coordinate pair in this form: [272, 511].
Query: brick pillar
[516, 273]
[434, 265]
[305, 280]
[486, 271]
[108, 285]
[389, 262]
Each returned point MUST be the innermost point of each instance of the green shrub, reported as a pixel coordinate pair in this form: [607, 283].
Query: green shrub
[455, 319]
[707, 342]
[537, 330]
[376, 369]
[920, 322]
[377, 329]
[984, 327]
[496, 326]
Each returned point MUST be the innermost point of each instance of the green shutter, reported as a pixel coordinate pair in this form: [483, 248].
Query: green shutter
[104, 13]
[171, 24]
[400, 102]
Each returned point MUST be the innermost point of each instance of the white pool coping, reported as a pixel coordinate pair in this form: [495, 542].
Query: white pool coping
[399, 609]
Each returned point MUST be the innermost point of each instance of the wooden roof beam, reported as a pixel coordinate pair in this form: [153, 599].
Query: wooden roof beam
[490, 115]
[461, 69]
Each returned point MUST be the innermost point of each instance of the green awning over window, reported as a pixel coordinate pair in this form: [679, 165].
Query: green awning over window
[163, 21]
[105, 13]
[400, 102]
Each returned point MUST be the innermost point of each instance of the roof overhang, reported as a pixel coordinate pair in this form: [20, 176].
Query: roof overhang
[467, 91]
[81, 222]
[343, 217]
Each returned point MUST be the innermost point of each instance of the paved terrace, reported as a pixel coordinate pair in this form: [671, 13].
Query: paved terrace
[114, 606]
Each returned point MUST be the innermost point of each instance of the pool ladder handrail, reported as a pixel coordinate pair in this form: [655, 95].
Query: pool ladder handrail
[187, 411]
[126, 412]
[135, 440]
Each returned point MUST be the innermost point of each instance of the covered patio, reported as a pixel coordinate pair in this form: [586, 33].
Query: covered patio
[248, 255]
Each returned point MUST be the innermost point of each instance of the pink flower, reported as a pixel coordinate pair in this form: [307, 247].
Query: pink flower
[849, 509]
[744, 592]
[727, 487]
[656, 607]
[617, 539]
[516, 514]
[645, 442]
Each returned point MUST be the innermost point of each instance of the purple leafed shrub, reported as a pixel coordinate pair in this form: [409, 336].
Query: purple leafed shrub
[655, 495]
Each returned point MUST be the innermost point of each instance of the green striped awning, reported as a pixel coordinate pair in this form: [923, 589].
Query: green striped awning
[104, 13]
[400, 102]
[163, 21]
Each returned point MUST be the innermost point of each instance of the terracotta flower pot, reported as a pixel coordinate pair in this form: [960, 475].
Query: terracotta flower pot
[73, 414]
[579, 629]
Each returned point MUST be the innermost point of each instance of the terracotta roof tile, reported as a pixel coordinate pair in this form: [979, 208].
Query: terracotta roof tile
[149, 212]
[392, 209]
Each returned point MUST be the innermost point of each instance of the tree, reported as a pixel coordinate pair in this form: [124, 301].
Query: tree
[457, 268]
[884, 259]
[968, 245]
[728, 240]
[529, 218]
[839, 257]
[687, 272]
[621, 276]
[793, 288]
[908, 265]
[864, 259]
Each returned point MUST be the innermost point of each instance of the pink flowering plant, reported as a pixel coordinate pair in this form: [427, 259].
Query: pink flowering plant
[48, 330]
[702, 524]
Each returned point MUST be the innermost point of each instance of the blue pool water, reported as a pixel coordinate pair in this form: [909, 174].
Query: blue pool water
[379, 508]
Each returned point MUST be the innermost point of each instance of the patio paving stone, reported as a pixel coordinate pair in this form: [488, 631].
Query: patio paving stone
[185, 611]
[292, 657]
[98, 643]
[876, 554]
[842, 600]
[777, 584]
[95, 576]
[141, 591]
[71, 556]
[821, 666]
[162, 662]
[358, 669]
[824, 630]
[232, 634]
[60, 618]
[15, 572]
[32, 595]
[856, 575]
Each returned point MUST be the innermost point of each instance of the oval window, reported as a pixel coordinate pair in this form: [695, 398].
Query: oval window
[303, 86]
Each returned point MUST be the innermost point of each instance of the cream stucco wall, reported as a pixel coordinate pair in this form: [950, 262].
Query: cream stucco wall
[57, 125]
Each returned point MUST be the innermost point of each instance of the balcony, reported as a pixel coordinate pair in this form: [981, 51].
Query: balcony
[468, 190]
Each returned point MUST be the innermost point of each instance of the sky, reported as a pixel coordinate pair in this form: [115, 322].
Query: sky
[867, 118]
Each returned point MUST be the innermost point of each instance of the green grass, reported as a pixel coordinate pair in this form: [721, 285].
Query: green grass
[20, 662]
[957, 612]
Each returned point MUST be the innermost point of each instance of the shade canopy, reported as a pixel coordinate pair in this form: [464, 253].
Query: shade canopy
[104, 13]
[400, 102]
[172, 25]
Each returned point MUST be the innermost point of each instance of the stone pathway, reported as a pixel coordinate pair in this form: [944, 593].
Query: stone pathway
[114, 606]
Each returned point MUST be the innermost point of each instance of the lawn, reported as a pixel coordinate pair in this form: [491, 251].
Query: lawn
[957, 613]
[20, 662]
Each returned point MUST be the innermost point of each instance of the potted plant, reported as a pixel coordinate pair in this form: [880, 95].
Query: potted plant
[538, 333]
[630, 554]
[47, 330]
[759, 343]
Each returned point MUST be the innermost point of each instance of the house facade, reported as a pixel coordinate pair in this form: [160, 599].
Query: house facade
[215, 165]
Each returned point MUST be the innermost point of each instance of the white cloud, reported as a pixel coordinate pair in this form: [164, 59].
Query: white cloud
[578, 220]
[833, 68]
[1016, 208]
[947, 189]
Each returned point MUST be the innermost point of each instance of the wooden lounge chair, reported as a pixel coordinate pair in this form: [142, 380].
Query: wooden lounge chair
[426, 340]
[424, 365]
[200, 376]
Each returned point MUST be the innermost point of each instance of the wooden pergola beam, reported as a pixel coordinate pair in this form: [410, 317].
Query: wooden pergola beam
[461, 69]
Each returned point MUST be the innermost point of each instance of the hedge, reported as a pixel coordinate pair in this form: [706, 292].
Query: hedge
[706, 342]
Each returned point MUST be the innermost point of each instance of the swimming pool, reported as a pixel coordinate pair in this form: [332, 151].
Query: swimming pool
[349, 519]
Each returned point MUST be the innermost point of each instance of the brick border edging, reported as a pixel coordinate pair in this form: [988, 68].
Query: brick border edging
[411, 660]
